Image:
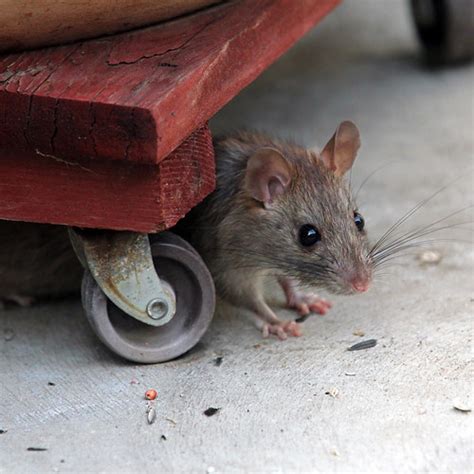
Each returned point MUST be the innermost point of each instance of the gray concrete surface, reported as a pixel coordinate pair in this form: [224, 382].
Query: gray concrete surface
[395, 414]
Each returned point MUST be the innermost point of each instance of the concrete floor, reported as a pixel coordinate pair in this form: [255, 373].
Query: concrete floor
[396, 412]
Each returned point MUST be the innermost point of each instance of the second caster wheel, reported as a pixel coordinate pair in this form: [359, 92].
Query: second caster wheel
[179, 265]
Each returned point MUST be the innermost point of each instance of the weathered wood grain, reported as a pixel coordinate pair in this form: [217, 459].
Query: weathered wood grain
[136, 96]
[40, 187]
[31, 23]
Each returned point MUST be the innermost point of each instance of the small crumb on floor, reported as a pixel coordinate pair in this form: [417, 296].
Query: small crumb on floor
[429, 257]
[367, 344]
[333, 392]
[461, 406]
[334, 452]
[358, 332]
[151, 415]
[211, 411]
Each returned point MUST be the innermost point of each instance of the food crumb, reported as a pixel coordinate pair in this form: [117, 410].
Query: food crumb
[334, 452]
[461, 406]
[151, 394]
[333, 392]
[151, 415]
[429, 257]
[367, 344]
[358, 332]
[211, 411]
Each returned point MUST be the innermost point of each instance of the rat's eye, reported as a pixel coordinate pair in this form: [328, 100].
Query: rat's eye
[309, 235]
[359, 221]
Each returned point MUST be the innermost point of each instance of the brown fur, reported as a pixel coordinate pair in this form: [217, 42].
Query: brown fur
[242, 242]
[36, 260]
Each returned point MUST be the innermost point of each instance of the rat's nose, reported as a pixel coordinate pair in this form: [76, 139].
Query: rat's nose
[360, 285]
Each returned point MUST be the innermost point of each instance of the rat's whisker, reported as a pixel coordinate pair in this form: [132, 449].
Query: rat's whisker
[411, 212]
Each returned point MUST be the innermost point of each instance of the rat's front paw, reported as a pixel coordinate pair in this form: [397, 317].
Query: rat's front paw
[282, 330]
[306, 303]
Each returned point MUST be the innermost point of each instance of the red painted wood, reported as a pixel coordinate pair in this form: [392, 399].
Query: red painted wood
[39, 187]
[136, 96]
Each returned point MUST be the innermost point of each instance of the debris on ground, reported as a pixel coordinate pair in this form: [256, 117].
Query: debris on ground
[367, 344]
[429, 257]
[36, 449]
[134, 382]
[334, 452]
[350, 374]
[211, 411]
[171, 421]
[302, 319]
[150, 414]
[163, 438]
[358, 332]
[8, 334]
[151, 394]
[218, 361]
[3, 431]
[461, 406]
[333, 392]
[51, 384]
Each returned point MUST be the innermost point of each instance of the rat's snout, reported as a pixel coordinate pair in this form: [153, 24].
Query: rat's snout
[360, 284]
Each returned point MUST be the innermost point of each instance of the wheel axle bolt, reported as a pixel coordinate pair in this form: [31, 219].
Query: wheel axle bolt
[157, 308]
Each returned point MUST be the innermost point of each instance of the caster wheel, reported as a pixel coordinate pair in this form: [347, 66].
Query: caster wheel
[445, 29]
[179, 265]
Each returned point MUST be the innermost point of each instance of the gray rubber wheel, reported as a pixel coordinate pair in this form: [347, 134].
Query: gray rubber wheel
[178, 264]
[445, 29]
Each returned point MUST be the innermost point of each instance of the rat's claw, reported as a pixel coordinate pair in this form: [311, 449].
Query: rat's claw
[282, 330]
[306, 303]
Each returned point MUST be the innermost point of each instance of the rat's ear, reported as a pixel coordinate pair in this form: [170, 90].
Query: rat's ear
[267, 176]
[340, 152]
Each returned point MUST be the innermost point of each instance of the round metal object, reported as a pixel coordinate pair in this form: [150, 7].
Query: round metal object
[157, 308]
[179, 266]
[445, 29]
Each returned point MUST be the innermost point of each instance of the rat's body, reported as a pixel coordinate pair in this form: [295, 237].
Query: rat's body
[36, 260]
[269, 196]
[279, 211]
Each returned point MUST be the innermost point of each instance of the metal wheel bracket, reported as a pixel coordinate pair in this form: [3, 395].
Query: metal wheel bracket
[122, 265]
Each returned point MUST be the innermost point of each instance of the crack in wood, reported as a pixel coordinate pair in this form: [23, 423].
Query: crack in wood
[60, 160]
[171, 50]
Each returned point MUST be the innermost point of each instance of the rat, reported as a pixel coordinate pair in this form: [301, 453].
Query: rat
[282, 211]
[278, 211]
[36, 261]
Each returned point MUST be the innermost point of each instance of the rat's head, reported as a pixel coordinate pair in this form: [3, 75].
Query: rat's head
[305, 213]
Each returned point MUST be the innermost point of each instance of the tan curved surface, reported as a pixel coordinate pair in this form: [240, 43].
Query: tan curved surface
[28, 24]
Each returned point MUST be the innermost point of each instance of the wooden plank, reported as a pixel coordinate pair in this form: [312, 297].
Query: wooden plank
[103, 194]
[136, 96]
[32, 23]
